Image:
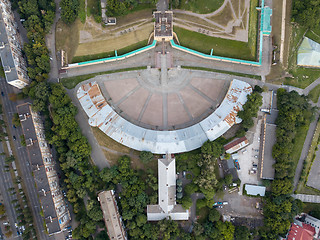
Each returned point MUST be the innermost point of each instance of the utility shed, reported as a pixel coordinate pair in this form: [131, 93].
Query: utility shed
[255, 190]
[111, 215]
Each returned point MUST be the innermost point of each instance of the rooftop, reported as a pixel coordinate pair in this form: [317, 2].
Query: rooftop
[163, 24]
[309, 53]
[304, 232]
[236, 145]
[111, 215]
[255, 190]
[55, 211]
[10, 48]
[167, 193]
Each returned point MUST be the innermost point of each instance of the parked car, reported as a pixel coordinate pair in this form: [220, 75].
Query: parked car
[225, 203]
[2, 93]
[237, 165]
[14, 138]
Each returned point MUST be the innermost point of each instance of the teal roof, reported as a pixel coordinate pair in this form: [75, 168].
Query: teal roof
[266, 20]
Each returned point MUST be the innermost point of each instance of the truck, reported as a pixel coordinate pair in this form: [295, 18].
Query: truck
[237, 165]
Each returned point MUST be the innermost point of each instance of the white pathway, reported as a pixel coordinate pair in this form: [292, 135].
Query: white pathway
[307, 198]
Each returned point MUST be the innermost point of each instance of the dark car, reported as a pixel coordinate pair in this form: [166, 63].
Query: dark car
[14, 126]
[2, 93]
[14, 138]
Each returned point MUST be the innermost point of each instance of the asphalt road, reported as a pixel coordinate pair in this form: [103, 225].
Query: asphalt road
[9, 108]
[6, 183]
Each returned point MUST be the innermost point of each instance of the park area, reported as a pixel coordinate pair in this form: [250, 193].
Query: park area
[86, 39]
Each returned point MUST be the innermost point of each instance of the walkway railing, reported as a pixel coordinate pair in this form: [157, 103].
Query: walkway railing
[115, 58]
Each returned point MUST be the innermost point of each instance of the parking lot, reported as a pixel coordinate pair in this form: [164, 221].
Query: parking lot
[240, 206]
[249, 159]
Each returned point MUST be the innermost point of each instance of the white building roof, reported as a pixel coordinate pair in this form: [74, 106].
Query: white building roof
[102, 115]
[255, 190]
[111, 215]
[309, 53]
[167, 193]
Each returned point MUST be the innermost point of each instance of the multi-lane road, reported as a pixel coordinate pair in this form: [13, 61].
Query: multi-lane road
[9, 108]
[6, 182]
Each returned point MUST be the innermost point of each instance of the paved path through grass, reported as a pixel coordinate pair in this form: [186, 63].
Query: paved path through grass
[307, 198]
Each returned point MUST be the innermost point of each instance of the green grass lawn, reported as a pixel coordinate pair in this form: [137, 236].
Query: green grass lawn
[221, 71]
[221, 47]
[302, 188]
[253, 27]
[71, 82]
[302, 76]
[82, 11]
[308, 207]
[110, 54]
[298, 143]
[201, 6]
[314, 94]
[1, 71]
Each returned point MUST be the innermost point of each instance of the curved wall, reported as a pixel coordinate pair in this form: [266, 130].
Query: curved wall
[102, 115]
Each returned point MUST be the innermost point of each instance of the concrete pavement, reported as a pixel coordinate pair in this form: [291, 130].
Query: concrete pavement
[9, 108]
[307, 198]
[180, 58]
[51, 44]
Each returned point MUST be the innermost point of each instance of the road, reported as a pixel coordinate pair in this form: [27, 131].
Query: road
[6, 183]
[9, 108]
[51, 44]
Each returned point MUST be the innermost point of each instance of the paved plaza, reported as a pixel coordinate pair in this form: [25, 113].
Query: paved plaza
[179, 101]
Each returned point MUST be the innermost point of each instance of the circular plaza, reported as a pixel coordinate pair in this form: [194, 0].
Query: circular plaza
[147, 100]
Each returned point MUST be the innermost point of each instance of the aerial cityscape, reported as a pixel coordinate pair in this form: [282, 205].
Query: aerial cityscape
[160, 119]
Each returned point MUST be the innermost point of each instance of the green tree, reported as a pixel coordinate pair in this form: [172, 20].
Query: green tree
[2, 209]
[145, 156]
[214, 215]
[141, 220]
[228, 179]
[186, 202]
[242, 233]
[69, 10]
[191, 188]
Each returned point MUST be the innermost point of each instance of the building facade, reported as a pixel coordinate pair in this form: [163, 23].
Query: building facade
[14, 65]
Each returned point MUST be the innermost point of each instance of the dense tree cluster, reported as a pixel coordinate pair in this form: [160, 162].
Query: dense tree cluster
[250, 108]
[69, 10]
[201, 165]
[280, 207]
[119, 7]
[306, 13]
[39, 16]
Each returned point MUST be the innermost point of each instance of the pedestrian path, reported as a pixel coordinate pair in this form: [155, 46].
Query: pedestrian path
[307, 198]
